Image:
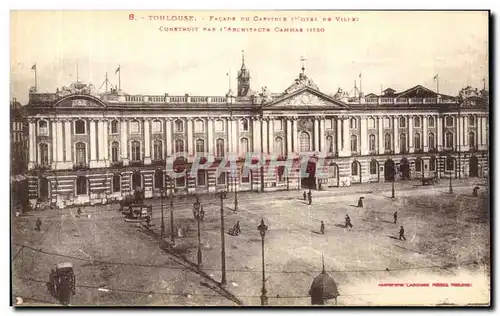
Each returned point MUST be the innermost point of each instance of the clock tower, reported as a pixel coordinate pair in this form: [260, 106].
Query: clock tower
[243, 78]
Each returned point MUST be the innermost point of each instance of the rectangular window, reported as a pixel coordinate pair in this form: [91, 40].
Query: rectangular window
[134, 127]
[328, 124]
[156, 127]
[201, 179]
[245, 176]
[180, 182]
[387, 122]
[278, 125]
[219, 126]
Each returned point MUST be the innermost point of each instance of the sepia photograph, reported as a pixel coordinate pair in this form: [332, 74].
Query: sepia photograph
[250, 158]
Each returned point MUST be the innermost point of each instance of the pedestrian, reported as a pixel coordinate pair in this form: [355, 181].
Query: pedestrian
[79, 212]
[474, 191]
[402, 233]
[309, 196]
[38, 224]
[148, 221]
[360, 201]
[305, 195]
[322, 229]
[348, 222]
[395, 217]
[237, 227]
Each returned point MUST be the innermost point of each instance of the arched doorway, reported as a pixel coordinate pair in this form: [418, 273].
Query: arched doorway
[82, 185]
[308, 179]
[473, 167]
[333, 175]
[356, 172]
[389, 170]
[43, 189]
[374, 171]
[136, 180]
[404, 168]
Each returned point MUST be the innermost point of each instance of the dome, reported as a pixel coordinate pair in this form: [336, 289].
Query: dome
[324, 287]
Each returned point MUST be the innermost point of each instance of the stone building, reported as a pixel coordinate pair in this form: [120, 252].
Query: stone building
[89, 148]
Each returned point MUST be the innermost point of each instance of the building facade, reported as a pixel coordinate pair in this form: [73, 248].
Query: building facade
[18, 155]
[88, 148]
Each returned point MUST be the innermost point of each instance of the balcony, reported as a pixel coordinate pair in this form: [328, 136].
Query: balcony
[136, 163]
[116, 164]
[355, 153]
[473, 148]
[81, 166]
[388, 151]
[418, 150]
[158, 162]
[44, 166]
[403, 151]
[432, 150]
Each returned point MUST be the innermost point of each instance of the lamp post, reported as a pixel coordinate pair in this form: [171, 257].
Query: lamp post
[172, 233]
[198, 215]
[262, 229]
[393, 179]
[162, 193]
[223, 242]
[235, 195]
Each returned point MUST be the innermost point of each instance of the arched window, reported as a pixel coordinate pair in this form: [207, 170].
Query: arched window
[157, 150]
[117, 183]
[354, 168]
[136, 150]
[472, 121]
[114, 127]
[79, 127]
[450, 163]
[80, 153]
[431, 121]
[372, 142]
[200, 146]
[387, 122]
[43, 127]
[81, 185]
[305, 143]
[449, 140]
[387, 142]
[115, 151]
[220, 150]
[244, 125]
[44, 154]
[199, 126]
[244, 146]
[402, 122]
[402, 142]
[329, 144]
[432, 164]
[371, 122]
[418, 165]
[416, 121]
[135, 127]
[416, 140]
[354, 123]
[179, 146]
[159, 179]
[179, 126]
[156, 128]
[472, 139]
[373, 167]
[278, 146]
[449, 121]
[354, 143]
[432, 143]
[136, 180]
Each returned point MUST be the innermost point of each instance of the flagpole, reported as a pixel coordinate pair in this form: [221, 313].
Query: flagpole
[360, 85]
[119, 78]
[106, 82]
[36, 81]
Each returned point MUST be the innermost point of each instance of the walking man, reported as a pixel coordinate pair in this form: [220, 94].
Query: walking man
[322, 229]
[395, 217]
[402, 233]
[79, 212]
[237, 227]
[38, 224]
[309, 195]
[348, 222]
[360, 201]
[305, 195]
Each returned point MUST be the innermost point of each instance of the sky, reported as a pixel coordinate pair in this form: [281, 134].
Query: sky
[390, 49]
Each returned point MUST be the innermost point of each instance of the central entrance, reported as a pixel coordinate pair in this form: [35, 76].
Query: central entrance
[308, 180]
[389, 170]
[404, 168]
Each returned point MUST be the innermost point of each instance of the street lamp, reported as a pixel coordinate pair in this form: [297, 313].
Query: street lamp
[393, 179]
[235, 195]
[198, 215]
[262, 229]
[172, 233]
[223, 242]
[162, 193]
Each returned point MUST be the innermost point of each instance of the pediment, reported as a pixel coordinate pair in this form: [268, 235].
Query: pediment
[306, 98]
[80, 101]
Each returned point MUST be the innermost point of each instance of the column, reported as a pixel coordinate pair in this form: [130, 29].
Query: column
[347, 136]
[265, 133]
[439, 133]
[410, 134]
[169, 143]
[465, 133]
[322, 138]
[100, 144]
[147, 142]
[53, 144]
[425, 137]
[396, 134]
[339, 146]
[105, 142]
[32, 144]
[189, 145]
[234, 136]
[380, 138]
[256, 135]
[93, 145]
[316, 134]
[271, 135]
[68, 134]
[484, 133]
[210, 136]
[295, 138]
[289, 148]
[124, 142]
[229, 134]
[364, 136]
[59, 137]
